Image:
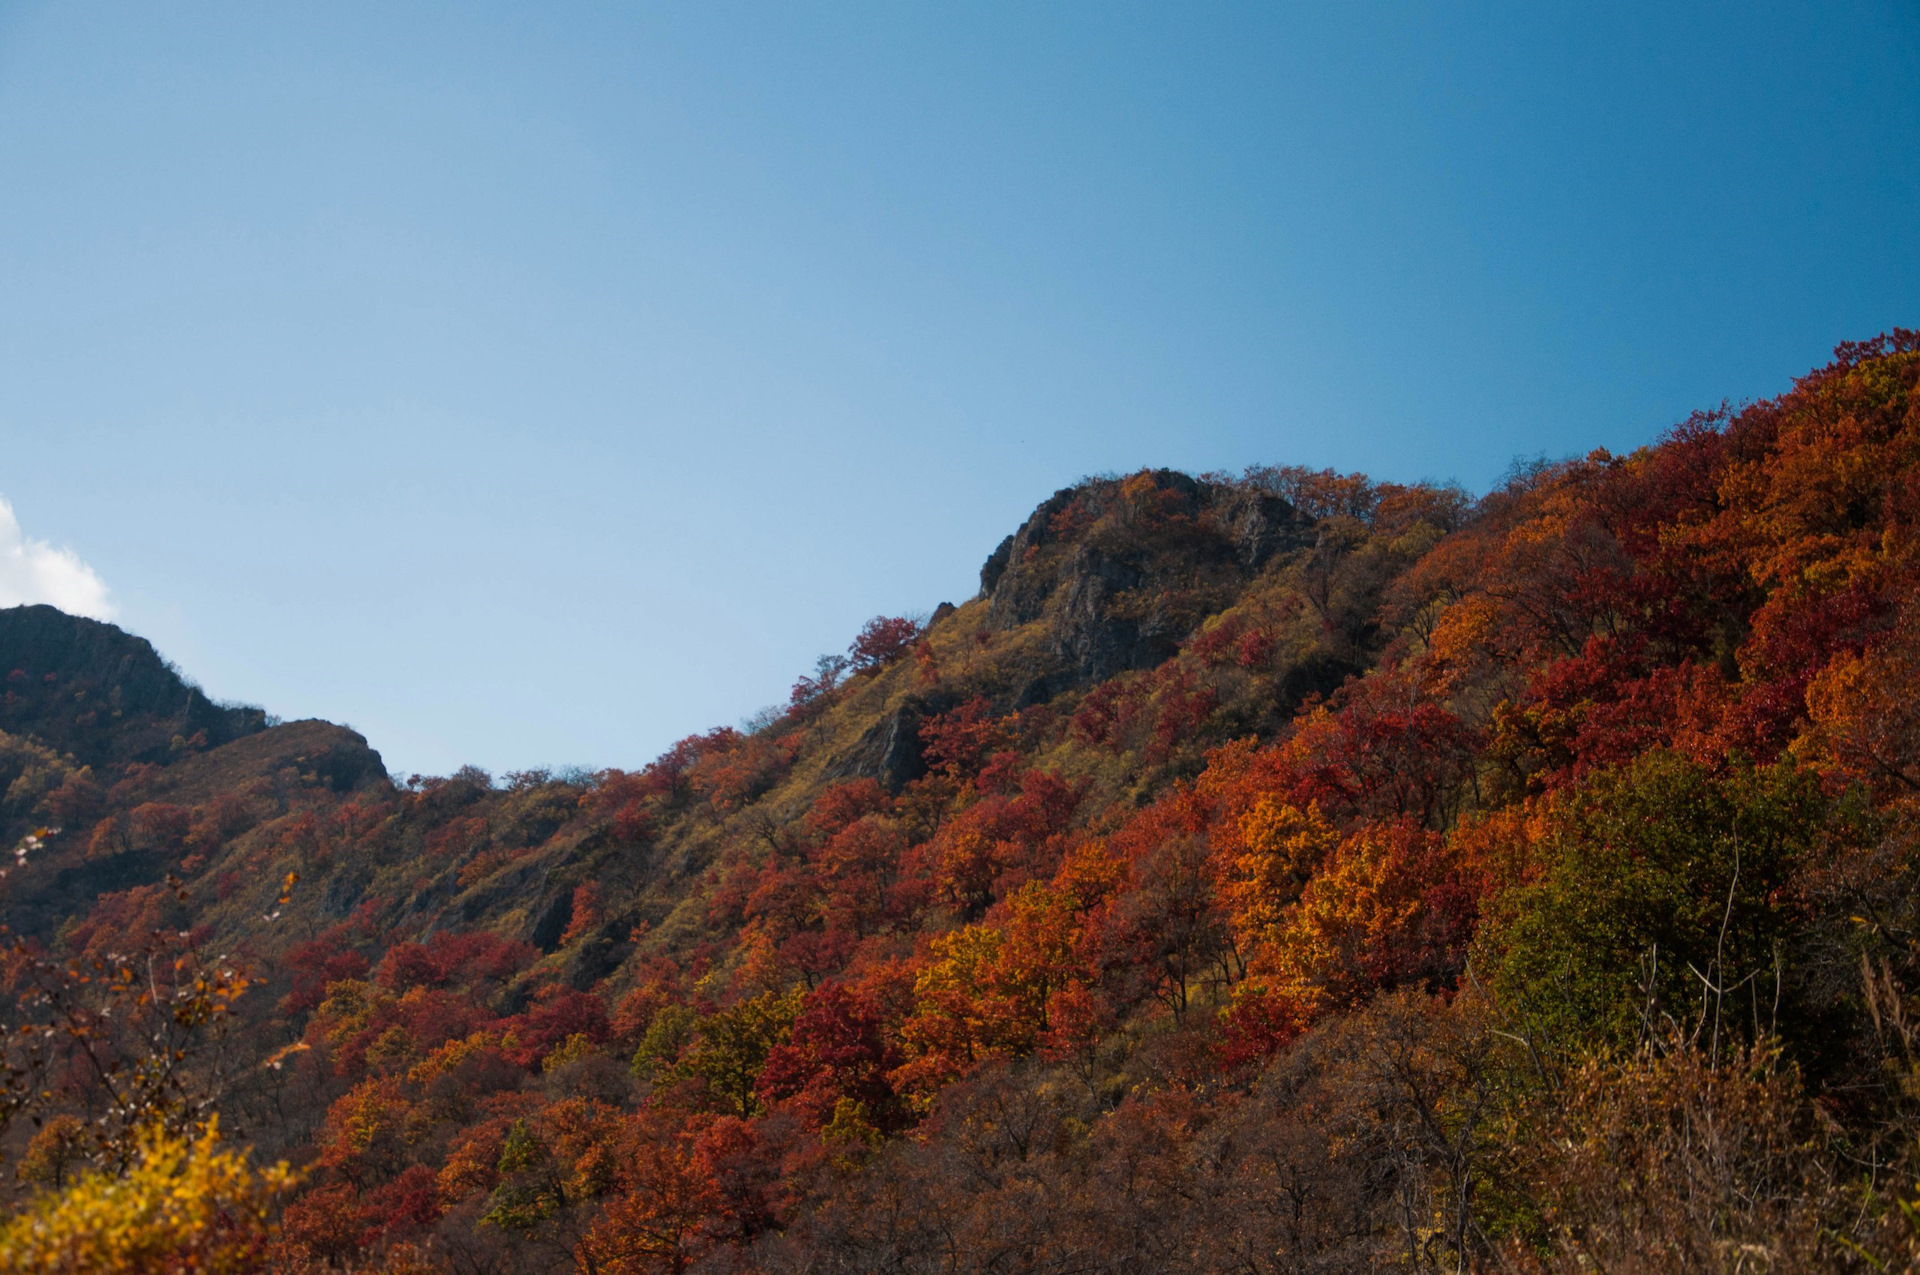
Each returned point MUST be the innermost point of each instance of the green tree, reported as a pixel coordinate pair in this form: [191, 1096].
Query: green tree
[731, 1048]
[1662, 899]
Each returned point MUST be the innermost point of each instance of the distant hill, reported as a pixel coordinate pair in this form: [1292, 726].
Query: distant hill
[99, 693]
[94, 722]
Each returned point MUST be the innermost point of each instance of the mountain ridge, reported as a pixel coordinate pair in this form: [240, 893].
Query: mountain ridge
[63, 670]
[1284, 872]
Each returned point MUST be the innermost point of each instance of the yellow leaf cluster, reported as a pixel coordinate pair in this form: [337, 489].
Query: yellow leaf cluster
[1283, 846]
[185, 1204]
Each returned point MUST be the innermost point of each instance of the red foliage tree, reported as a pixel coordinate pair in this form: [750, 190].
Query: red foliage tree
[838, 1051]
[881, 641]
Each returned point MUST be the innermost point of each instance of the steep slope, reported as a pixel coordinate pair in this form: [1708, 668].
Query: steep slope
[1281, 872]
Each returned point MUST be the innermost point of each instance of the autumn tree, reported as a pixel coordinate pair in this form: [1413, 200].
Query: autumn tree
[881, 641]
[184, 1203]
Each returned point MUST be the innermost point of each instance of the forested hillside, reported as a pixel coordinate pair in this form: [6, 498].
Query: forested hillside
[1281, 872]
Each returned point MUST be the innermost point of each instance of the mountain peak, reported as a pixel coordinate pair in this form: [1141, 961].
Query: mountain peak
[101, 694]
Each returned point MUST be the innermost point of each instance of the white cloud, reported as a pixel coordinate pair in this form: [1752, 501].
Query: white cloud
[35, 571]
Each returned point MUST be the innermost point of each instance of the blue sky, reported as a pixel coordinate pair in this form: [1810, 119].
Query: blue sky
[535, 384]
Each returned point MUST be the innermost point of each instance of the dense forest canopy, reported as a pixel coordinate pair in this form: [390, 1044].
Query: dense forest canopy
[1278, 872]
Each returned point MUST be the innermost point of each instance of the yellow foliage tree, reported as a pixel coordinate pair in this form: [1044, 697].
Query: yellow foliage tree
[1863, 718]
[1367, 891]
[1281, 846]
[185, 1204]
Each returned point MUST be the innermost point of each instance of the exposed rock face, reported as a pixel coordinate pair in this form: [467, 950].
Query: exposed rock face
[1123, 571]
[1033, 533]
[1090, 634]
[101, 694]
[1260, 526]
[889, 750]
[1120, 572]
[551, 921]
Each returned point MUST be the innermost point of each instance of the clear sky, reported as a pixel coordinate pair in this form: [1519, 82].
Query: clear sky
[537, 383]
